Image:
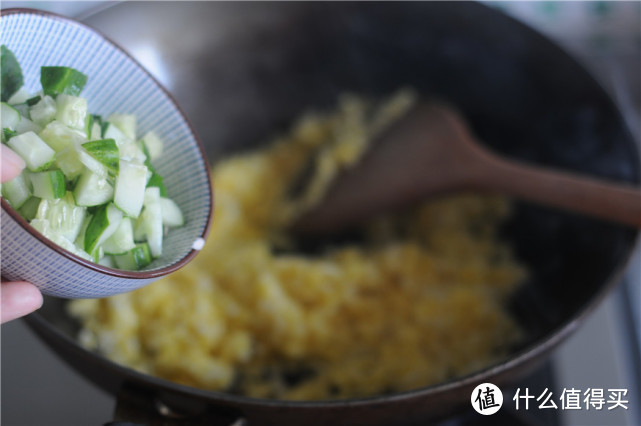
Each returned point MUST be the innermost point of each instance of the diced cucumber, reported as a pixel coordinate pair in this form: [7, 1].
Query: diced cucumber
[30, 208]
[105, 151]
[122, 240]
[42, 226]
[72, 111]
[64, 216]
[58, 136]
[69, 163]
[126, 123]
[152, 220]
[44, 111]
[62, 80]
[20, 97]
[9, 116]
[103, 224]
[92, 190]
[23, 109]
[96, 132]
[107, 261]
[80, 239]
[27, 125]
[137, 258]
[131, 151]
[91, 163]
[140, 231]
[10, 73]
[48, 185]
[130, 186]
[171, 213]
[16, 191]
[33, 150]
[111, 131]
[153, 144]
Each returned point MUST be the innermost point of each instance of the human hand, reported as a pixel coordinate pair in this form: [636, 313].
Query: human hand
[16, 298]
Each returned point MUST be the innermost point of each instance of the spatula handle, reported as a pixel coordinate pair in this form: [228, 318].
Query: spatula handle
[607, 200]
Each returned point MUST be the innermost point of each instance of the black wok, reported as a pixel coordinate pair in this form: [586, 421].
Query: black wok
[244, 71]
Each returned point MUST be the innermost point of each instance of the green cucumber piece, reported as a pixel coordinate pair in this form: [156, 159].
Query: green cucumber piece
[91, 163]
[30, 208]
[59, 137]
[11, 79]
[105, 151]
[135, 259]
[171, 214]
[27, 125]
[20, 97]
[64, 216]
[152, 220]
[102, 225]
[122, 240]
[69, 163]
[111, 131]
[44, 111]
[129, 191]
[62, 80]
[48, 185]
[126, 123]
[33, 150]
[153, 145]
[9, 116]
[92, 190]
[71, 111]
[16, 191]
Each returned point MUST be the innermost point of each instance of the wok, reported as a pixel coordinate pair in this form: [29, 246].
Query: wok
[244, 71]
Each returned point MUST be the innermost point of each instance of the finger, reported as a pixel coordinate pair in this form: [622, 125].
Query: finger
[12, 164]
[18, 299]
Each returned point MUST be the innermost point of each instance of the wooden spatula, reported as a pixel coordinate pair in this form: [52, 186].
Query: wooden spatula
[430, 151]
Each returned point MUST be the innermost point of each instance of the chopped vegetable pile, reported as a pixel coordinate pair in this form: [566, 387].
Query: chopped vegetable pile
[89, 184]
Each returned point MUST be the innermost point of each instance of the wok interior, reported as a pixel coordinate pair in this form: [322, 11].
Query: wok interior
[522, 96]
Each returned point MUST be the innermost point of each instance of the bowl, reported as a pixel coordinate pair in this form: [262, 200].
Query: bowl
[116, 83]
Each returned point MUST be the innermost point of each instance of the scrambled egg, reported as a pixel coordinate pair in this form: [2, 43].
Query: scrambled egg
[419, 301]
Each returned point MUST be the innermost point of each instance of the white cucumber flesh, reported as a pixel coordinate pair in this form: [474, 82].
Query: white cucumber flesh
[9, 116]
[33, 150]
[92, 190]
[102, 226]
[16, 191]
[172, 216]
[64, 216]
[71, 111]
[122, 240]
[129, 191]
[43, 112]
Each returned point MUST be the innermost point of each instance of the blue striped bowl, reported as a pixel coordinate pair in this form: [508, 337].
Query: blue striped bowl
[117, 83]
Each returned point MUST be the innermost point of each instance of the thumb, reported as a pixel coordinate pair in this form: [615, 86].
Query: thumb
[12, 164]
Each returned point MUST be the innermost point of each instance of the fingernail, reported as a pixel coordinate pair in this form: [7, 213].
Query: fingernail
[11, 159]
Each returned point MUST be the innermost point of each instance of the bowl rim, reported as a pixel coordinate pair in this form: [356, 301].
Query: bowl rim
[118, 273]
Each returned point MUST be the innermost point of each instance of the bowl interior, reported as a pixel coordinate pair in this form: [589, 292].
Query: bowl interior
[118, 84]
[522, 95]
